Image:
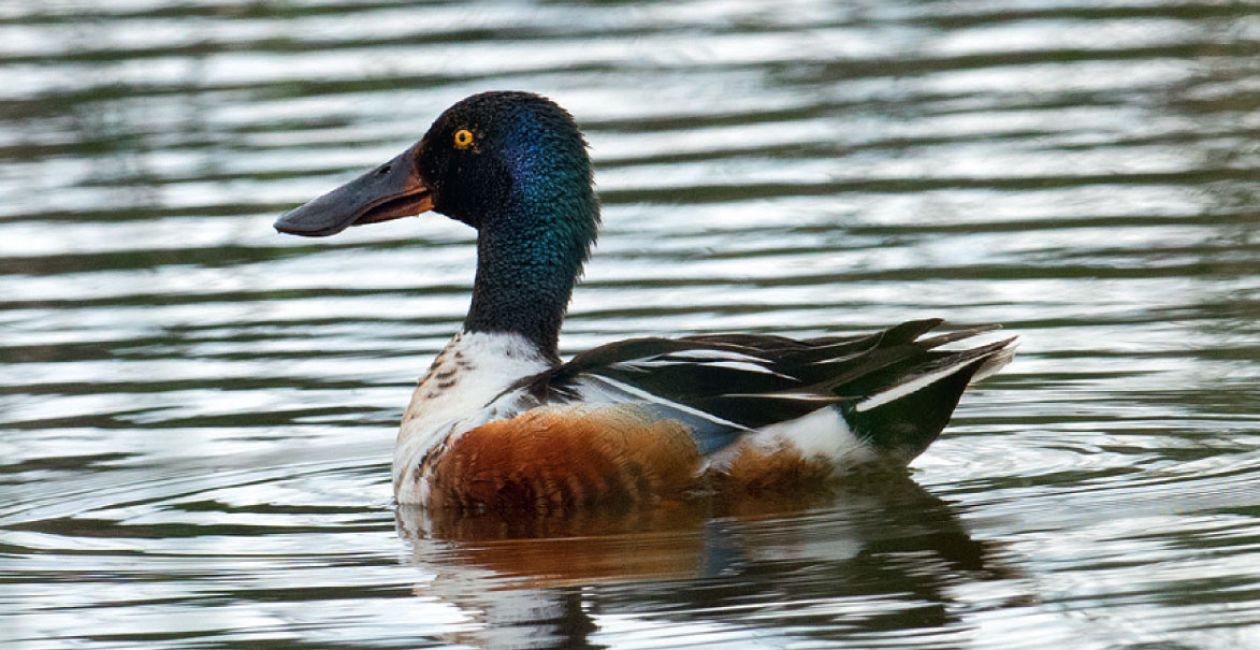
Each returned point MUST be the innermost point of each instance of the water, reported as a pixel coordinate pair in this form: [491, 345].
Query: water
[198, 413]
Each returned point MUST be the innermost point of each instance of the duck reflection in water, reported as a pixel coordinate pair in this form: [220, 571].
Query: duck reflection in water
[857, 557]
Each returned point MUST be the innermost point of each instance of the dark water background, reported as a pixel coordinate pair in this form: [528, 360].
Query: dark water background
[196, 414]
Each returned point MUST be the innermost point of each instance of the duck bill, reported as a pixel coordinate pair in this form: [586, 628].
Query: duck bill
[391, 191]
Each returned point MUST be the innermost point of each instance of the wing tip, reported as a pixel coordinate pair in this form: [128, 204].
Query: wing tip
[996, 360]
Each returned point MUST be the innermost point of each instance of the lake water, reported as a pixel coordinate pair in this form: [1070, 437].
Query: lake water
[197, 414]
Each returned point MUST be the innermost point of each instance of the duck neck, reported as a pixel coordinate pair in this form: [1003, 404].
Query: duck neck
[528, 262]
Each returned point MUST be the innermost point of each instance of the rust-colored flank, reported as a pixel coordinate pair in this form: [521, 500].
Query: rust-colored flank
[553, 459]
[560, 458]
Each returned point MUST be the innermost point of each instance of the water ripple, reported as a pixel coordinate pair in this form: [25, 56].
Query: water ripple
[198, 414]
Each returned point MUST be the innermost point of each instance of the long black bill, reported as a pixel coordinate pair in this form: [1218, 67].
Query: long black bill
[391, 191]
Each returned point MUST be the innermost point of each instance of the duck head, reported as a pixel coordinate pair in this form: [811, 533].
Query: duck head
[514, 166]
[488, 155]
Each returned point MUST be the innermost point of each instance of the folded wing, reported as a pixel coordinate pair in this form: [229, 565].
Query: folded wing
[896, 388]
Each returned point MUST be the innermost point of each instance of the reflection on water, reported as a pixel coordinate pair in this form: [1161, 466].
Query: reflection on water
[555, 581]
[196, 415]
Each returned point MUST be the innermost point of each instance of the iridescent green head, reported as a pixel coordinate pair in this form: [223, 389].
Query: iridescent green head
[514, 166]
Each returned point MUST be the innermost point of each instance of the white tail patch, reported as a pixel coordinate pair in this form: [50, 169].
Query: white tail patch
[822, 434]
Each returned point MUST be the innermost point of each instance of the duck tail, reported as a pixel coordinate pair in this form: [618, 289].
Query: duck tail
[902, 419]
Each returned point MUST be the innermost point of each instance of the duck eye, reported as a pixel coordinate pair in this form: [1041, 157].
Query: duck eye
[463, 139]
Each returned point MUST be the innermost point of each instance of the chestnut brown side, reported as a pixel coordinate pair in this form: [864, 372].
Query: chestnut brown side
[565, 458]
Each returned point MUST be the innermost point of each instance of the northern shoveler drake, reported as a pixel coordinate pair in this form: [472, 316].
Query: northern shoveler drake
[500, 422]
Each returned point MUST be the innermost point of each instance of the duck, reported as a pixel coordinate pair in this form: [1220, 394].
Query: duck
[500, 423]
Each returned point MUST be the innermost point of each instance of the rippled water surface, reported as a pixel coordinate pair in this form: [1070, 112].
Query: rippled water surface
[197, 413]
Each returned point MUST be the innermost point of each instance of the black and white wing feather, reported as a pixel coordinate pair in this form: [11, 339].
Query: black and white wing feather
[726, 385]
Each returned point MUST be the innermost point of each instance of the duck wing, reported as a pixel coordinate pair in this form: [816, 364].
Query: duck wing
[895, 387]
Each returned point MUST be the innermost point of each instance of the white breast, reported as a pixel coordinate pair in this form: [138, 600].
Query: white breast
[473, 369]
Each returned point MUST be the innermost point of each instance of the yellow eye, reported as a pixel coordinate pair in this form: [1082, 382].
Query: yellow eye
[463, 139]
